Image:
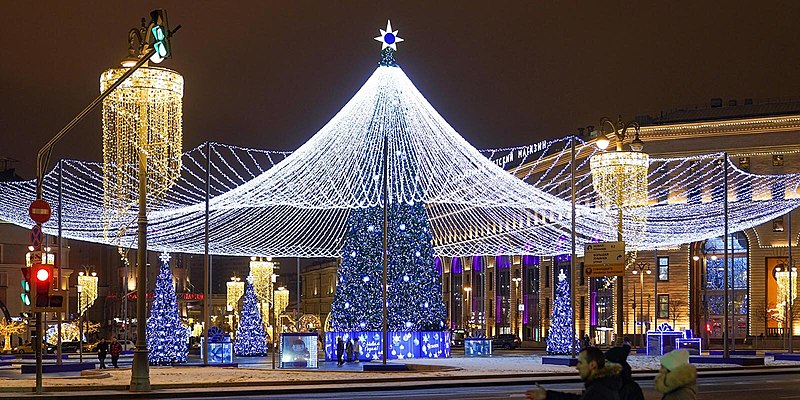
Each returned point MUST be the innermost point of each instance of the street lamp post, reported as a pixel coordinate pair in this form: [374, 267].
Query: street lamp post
[274, 278]
[468, 310]
[80, 324]
[620, 178]
[516, 280]
[641, 269]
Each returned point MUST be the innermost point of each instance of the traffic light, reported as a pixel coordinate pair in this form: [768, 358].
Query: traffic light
[25, 295]
[42, 275]
[159, 29]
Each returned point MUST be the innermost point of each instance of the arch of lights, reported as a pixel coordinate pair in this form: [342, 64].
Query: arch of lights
[295, 204]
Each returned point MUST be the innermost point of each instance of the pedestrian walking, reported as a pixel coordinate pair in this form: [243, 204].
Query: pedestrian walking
[102, 351]
[349, 350]
[600, 379]
[339, 351]
[586, 341]
[115, 349]
[356, 349]
[630, 390]
[677, 379]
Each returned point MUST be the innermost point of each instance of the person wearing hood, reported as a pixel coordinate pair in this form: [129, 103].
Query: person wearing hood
[677, 379]
[601, 379]
[630, 390]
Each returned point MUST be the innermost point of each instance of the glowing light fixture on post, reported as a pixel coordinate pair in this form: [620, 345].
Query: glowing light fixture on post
[620, 180]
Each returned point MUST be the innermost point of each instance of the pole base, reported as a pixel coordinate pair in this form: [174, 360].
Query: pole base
[140, 371]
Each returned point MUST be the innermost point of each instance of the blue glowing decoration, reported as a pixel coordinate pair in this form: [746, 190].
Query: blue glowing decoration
[167, 340]
[388, 38]
[220, 347]
[559, 336]
[402, 345]
[478, 347]
[414, 289]
[251, 340]
[663, 339]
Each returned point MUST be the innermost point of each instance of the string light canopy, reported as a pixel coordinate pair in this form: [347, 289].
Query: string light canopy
[296, 204]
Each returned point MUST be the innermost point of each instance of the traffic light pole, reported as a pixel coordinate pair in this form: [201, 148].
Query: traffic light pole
[37, 345]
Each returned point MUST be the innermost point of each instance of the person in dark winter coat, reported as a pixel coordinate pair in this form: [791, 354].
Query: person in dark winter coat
[677, 379]
[630, 390]
[102, 351]
[116, 349]
[348, 349]
[601, 379]
[339, 351]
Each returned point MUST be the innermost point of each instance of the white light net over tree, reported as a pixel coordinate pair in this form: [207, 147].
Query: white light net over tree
[296, 205]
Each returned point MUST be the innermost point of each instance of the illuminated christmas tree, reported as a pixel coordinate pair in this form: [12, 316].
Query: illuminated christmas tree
[165, 340]
[251, 340]
[414, 289]
[559, 336]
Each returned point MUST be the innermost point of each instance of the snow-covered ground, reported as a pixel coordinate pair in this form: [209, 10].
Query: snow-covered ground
[263, 374]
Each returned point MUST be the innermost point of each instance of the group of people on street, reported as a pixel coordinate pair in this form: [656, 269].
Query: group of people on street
[608, 377]
[351, 350]
[103, 348]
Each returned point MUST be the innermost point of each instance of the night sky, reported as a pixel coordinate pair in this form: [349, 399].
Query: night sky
[269, 74]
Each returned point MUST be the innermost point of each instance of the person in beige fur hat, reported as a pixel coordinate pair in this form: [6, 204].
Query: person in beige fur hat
[677, 379]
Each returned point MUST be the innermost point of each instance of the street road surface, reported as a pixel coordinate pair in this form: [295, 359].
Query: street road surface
[778, 387]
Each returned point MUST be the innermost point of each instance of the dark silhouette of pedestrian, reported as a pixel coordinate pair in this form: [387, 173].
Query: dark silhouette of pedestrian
[102, 350]
[116, 349]
[356, 350]
[349, 350]
[630, 390]
[339, 351]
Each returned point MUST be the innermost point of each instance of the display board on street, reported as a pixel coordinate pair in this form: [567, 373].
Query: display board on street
[604, 259]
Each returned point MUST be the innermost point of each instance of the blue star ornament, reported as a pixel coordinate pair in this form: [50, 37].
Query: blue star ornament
[389, 37]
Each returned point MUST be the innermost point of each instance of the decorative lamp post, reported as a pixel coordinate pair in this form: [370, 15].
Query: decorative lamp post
[641, 268]
[262, 271]
[142, 149]
[517, 281]
[620, 179]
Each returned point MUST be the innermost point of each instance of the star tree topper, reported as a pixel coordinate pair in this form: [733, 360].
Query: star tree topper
[388, 37]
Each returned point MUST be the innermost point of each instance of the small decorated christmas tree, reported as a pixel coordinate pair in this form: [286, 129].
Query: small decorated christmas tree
[251, 340]
[559, 336]
[166, 341]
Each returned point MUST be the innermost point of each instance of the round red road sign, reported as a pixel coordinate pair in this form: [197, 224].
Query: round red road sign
[39, 211]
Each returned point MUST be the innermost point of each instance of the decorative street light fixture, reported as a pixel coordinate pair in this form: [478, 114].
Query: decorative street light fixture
[620, 179]
[641, 268]
[273, 317]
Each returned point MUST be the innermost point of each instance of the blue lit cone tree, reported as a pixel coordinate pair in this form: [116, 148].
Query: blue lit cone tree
[414, 293]
[165, 339]
[251, 340]
[559, 336]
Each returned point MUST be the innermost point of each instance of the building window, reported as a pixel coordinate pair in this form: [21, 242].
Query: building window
[744, 163]
[663, 268]
[583, 308]
[547, 277]
[547, 307]
[583, 275]
[491, 309]
[777, 160]
[663, 306]
[777, 224]
[491, 281]
[3, 279]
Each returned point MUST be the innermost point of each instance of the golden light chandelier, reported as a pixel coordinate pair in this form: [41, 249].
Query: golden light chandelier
[88, 293]
[143, 115]
[235, 291]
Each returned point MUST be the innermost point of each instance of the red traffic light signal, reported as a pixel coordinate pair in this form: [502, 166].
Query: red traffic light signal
[42, 275]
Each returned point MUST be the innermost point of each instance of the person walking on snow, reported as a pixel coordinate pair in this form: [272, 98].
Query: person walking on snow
[102, 350]
[116, 349]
